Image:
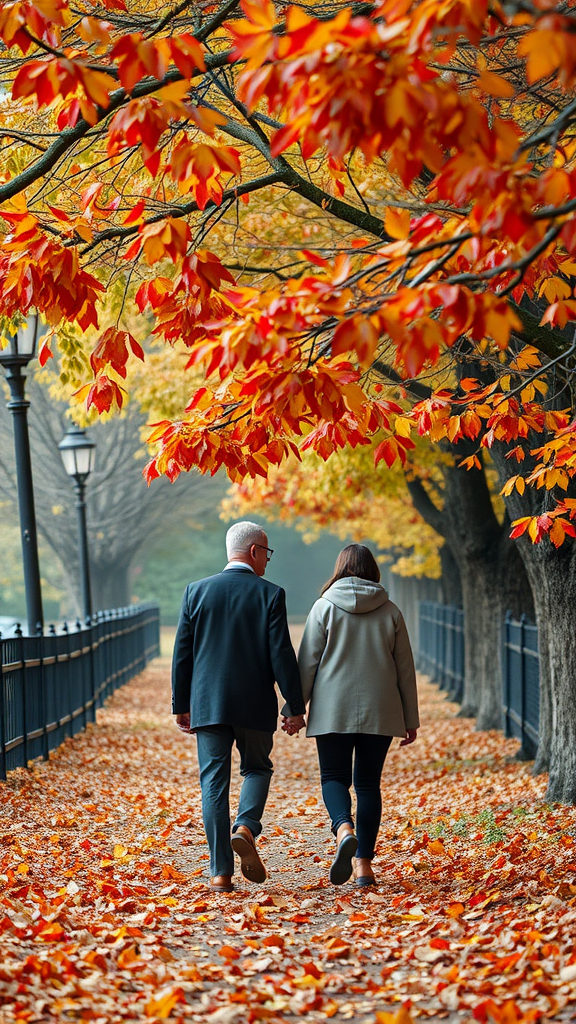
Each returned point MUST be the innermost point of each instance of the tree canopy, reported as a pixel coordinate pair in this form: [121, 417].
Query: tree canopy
[318, 204]
[348, 497]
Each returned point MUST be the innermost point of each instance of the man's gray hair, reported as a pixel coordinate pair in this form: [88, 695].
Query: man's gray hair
[241, 536]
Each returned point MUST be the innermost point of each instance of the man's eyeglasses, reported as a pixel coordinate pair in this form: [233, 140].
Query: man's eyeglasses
[269, 551]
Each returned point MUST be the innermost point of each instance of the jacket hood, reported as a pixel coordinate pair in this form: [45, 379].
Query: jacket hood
[355, 595]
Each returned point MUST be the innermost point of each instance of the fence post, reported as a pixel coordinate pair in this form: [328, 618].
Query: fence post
[422, 642]
[506, 672]
[20, 637]
[81, 672]
[2, 715]
[523, 621]
[89, 623]
[44, 713]
[69, 708]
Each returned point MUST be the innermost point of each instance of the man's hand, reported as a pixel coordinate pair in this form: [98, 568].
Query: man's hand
[293, 724]
[183, 722]
[411, 735]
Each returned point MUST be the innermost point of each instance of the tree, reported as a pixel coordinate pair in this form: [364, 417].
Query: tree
[12, 593]
[346, 496]
[492, 577]
[123, 517]
[434, 143]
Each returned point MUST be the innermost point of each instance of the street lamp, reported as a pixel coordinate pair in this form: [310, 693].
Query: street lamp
[20, 350]
[78, 455]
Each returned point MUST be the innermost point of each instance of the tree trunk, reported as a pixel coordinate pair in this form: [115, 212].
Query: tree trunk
[499, 585]
[554, 575]
[491, 574]
[450, 581]
[110, 586]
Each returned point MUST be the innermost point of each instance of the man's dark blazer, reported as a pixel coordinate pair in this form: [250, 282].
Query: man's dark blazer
[232, 643]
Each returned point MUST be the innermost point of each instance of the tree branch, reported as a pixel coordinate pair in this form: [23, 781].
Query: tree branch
[425, 506]
[122, 232]
[414, 387]
[70, 136]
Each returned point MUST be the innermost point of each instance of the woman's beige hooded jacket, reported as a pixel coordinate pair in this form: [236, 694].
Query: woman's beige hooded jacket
[356, 663]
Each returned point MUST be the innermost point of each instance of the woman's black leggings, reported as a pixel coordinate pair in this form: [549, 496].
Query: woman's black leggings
[335, 753]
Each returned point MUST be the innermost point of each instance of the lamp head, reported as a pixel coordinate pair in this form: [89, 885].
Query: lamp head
[22, 340]
[78, 453]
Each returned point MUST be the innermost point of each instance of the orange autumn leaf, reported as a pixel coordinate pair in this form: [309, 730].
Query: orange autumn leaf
[401, 1016]
[495, 85]
[397, 222]
[228, 952]
[161, 1006]
[455, 909]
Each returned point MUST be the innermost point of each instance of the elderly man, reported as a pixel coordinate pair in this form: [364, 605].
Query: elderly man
[231, 645]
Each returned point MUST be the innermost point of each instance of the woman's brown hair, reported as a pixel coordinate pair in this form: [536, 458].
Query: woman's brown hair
[354, 560]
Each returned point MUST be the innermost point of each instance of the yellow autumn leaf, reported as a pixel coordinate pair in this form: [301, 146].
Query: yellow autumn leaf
[175, 92]
[402, 426]
[544, 53]
[509, 486]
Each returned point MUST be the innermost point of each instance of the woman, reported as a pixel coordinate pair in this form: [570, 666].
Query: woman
[358, 673]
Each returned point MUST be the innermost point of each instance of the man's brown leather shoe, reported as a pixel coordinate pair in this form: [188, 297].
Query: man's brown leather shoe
[250, 864]
[221, 883]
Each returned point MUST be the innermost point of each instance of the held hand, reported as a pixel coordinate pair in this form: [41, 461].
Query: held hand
[411, 735]
[183, 722]
[293, 724]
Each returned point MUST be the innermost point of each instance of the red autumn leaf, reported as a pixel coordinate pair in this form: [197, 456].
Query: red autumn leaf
[45, 353]
[138, 57]
[198, 167]
[135, 214]
[103, 394]
[112, 349]
[387, 450]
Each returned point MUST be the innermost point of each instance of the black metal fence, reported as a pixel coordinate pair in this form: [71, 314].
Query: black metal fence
[441, 656]
[441, 646]
[51, 686]
[521, 673]
[407, 592]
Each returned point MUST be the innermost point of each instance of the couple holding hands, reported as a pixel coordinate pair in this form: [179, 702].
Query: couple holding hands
[354, 669]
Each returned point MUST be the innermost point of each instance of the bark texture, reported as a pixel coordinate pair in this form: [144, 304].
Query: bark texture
[552, 575]
[450, 580]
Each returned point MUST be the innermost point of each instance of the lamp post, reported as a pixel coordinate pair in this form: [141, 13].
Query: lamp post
[78, 455]
[20, 350]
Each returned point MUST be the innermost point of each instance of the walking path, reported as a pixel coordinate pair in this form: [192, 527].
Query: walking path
[105, 914]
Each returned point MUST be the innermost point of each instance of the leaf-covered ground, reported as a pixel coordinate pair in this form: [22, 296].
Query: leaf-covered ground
[105, 914]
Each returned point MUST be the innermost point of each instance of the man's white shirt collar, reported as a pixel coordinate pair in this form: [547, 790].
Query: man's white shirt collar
[238, 565]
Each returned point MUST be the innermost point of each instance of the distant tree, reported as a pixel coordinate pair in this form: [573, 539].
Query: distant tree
[123, 514]
[12, 593]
